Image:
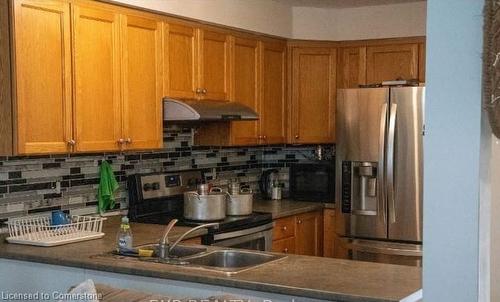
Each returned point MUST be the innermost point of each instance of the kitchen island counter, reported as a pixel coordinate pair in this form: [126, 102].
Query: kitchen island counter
[302, 276]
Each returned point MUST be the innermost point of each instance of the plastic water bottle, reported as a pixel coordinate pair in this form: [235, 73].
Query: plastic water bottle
[124, 236]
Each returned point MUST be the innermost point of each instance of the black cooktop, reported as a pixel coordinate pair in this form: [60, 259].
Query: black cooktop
[230, 223]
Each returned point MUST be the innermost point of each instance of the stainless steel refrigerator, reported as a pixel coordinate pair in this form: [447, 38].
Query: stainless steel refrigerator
[379, 162]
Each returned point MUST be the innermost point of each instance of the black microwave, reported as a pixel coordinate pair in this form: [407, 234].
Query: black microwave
[313, 181]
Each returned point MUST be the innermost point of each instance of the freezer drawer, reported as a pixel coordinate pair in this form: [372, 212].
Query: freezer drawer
[379, 251]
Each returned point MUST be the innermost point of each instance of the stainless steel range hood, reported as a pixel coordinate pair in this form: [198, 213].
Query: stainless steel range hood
[206, 110]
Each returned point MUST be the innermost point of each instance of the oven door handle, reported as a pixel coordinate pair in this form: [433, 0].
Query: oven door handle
[244, 232]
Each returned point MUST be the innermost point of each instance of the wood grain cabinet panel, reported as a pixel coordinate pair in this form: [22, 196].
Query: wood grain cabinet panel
[351, 67]
[421, 62]
[97, 79]
[142, 82]
[284, 228]
[391, 62]
[329, 235]
[286, 246]
[273, 108]
[300, 234]
[245, 88]
[214, 65]
[309, 234]
[313, 95]
[181, 55]
[43, 76]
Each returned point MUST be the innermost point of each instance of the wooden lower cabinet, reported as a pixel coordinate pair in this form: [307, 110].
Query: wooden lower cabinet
[301, 234]
[286, 246]
[309, 234]
[329, 235]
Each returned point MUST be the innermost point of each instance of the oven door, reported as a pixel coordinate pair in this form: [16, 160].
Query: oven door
[258, 238]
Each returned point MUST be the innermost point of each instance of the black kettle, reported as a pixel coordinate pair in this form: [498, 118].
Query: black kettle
[266, 181]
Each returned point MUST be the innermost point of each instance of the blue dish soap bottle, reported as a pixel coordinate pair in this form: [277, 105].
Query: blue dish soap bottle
[124, 237]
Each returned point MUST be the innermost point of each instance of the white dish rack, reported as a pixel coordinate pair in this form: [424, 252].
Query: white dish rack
[38, 230]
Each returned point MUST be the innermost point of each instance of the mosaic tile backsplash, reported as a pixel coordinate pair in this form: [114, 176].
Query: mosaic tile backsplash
[37, 184]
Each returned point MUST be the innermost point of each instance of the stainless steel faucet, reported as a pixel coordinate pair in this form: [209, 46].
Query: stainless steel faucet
[165, 247]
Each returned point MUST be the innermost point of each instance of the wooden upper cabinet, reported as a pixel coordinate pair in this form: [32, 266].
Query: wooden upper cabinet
[181, 54]
[351, 67]
[142, 77]
[313, 95]
[245, 88]
[421, 62]
[98, 123]
[391, 62]
[43, 76]
[309, 234]
[213, 68]
[273, 110]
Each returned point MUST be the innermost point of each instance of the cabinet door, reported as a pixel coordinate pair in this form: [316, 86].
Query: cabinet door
[245, 83]
[391, 62]
[286, 246]
[214, 65]
[142, 82]
[180, 61]
[421, 62]
[351, 67]
[273, 111]
[329, 235]
[97, 79]
[313, 95]
[43, 76]
[309, 234]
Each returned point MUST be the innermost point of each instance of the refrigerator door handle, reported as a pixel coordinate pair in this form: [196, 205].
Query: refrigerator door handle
[381, 164]
[390, 162]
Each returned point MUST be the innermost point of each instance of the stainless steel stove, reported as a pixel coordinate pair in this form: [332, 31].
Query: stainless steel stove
[158, 198]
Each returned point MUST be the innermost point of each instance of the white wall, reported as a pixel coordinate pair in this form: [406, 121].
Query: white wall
[369, 22]
[452, 147]
[277, 18]
[257, 15]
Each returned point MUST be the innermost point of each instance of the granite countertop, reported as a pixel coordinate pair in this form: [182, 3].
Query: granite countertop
[288, 207]
[313, 277]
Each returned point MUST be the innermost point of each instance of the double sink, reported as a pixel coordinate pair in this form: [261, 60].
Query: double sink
[227, 261]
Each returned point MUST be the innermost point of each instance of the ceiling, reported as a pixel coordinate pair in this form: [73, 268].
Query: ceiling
[341, 3]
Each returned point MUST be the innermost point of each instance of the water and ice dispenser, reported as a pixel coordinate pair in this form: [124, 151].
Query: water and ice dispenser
[359, 187]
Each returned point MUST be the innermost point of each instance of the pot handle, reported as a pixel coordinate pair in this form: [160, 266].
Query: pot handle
[216, 189]
[245, 190]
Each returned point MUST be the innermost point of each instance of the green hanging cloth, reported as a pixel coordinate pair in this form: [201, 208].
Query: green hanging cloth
[107, 187]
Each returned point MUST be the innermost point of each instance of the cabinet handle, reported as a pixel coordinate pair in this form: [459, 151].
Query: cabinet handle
[299, 221]
[71, 142]
[259, 137]
[198, 90]
[204, 91]
[121, 141]
[284, 228]
[264, 137]
[296, 136]
[285, 250]
[128, 140]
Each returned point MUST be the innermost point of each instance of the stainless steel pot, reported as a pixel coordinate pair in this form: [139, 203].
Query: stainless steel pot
[207, 207]
[240, 204]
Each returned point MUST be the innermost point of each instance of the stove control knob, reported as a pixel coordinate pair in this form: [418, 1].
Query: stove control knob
[156, 186]
[147, 187]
